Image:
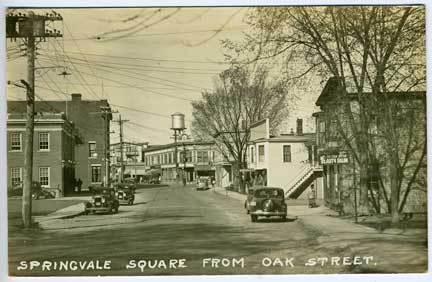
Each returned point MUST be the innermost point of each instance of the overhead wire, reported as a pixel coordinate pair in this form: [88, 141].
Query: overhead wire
[81, 77]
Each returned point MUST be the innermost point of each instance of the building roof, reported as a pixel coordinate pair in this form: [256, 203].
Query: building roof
[334, 83]
[153, 148]
[288, 138]
[51, 106]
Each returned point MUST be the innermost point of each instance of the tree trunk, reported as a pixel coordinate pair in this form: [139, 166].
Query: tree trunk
[363, 208]
[394, 188]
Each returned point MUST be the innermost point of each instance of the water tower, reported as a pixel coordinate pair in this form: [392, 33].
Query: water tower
[178, 125]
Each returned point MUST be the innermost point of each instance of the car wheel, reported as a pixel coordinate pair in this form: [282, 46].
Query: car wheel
[254, 218]
[130, 202]
[284, 217]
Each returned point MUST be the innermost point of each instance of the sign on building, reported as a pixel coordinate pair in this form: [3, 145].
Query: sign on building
[339, 158]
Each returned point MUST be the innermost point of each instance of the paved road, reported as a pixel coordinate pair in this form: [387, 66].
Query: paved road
[175, 223]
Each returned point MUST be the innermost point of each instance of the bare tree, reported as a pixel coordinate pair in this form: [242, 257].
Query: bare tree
[373, 52]
[241, 97]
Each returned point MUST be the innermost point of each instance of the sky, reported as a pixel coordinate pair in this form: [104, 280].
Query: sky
[147, 62]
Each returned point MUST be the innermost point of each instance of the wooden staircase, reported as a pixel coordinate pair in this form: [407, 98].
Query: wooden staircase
[303, 180]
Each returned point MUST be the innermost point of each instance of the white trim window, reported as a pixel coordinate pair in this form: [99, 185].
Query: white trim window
[44, 144]
[261, 153]
[16, 141]
[92, 149]
[16, 176]
[44, 176]
[96, 173]
[286, 153]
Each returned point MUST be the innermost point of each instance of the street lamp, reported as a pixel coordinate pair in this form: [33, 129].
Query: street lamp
[178, 125]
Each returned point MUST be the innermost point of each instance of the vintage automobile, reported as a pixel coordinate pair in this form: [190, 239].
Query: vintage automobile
[203, 183]
[103, 200]
[40, 193]
[266, 201]
[125, 194]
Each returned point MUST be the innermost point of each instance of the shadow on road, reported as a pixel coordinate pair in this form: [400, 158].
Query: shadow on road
[272, 220]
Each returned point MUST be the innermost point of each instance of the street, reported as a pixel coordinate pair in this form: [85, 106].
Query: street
[203, 228]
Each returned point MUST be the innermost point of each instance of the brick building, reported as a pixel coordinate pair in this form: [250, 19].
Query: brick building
[54, 158]
[92, 126]
[195, 158]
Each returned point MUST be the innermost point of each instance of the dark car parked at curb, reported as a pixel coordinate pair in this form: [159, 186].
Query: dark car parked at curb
[103, 200]
[266, 202]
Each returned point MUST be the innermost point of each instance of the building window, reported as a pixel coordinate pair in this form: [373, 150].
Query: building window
[286, 153]
[261, 155]
[44, 176]
[202, 157]
[92, 149]
[189, 156]
[43, 141]
[322, 126]
[16, 141]
[16, 176]
[96, 173]
[252, 154]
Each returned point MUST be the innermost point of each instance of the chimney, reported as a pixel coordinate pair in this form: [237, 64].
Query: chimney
[76, 97]
[299, 126]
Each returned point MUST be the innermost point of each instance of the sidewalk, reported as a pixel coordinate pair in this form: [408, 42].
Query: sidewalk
[67, 212]
[326, 221]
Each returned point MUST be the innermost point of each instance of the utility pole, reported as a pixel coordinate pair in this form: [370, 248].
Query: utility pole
[120, 121]
[106, 114]
[28, 149]
[29, 27]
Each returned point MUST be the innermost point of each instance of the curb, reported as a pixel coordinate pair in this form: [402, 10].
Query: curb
[58, 214]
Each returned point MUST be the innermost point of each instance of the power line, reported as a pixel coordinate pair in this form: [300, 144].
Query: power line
[79, 49]
[142, 88]
[144, 27]
[166, 33]
[149, 78]
[150, 59]
[80, 75]
[144, 69]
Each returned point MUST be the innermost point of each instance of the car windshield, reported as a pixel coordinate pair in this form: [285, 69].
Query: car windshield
[264, 193]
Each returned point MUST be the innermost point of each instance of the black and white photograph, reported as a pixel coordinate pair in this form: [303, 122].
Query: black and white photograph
[216, 140]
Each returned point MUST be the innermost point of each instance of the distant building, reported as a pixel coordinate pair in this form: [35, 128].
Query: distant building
[92, 125]
[133, 160]
[287, 161]
[194, 158]
[54, 144]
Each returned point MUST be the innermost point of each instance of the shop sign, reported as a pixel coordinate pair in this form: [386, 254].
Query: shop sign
[339, 158]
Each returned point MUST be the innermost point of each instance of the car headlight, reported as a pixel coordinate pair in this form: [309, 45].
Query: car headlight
[253, 204]
[103, 200]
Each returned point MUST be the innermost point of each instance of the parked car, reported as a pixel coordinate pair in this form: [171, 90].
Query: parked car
[42, 194]
[203, 183]
[103, 200]
[266, 201]
[125, 195]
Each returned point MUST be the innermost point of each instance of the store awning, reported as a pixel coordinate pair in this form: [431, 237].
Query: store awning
[153, 172]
